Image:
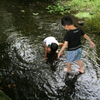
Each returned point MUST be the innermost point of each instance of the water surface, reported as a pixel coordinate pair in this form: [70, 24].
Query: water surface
[24, 74]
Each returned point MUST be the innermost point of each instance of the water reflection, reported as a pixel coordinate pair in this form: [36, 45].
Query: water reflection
[25, 75]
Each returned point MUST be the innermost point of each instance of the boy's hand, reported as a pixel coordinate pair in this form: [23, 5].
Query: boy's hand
[59, 54]
[45, 58]
[92, 44]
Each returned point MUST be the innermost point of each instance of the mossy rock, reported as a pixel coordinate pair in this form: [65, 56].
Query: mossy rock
[3, 96]
[83, 15]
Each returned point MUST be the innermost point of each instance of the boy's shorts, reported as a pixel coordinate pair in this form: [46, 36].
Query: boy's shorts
[74, 55]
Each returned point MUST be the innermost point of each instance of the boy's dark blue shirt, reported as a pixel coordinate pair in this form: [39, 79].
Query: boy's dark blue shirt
[74, 38]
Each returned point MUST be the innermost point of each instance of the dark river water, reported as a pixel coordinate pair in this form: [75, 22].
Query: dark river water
[24, 74]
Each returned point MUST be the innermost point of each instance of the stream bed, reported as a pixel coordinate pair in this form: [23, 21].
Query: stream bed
[24, 74]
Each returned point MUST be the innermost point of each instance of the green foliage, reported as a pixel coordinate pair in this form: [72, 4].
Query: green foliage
[27, 1]
[81, 5]
[59, 7]
[89, 6]
[89, 11]
[83, 15]
[84, 9]
[3, 96]
[93, 25]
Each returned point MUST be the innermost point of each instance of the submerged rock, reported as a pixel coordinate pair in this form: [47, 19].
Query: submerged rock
[3, 96]
[81, 23]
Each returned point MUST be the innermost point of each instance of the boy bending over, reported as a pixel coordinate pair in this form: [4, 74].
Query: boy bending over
[51, 45]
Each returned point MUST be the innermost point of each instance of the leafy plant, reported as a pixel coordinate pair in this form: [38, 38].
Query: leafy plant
[58, 7]
[93, 24]
[87, 9]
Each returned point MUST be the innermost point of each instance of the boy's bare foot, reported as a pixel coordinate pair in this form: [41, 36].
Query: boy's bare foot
[81, 70]
[65, 69]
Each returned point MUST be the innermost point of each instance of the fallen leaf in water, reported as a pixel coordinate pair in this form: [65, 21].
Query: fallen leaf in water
[35, 13]
[12, 73]
[14, 85]
[9, 85]
[22, 10]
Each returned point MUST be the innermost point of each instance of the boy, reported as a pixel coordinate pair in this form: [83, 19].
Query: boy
[51, 45]
[73, 40]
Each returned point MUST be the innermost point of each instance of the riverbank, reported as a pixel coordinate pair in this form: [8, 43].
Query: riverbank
[86, 10]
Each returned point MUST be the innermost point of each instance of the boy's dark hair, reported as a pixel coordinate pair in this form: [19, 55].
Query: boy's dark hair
[66, 20]
[54, 47]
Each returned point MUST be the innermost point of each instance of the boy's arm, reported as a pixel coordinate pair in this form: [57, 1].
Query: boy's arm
[62, 49]
[88, 38]
[61, 44]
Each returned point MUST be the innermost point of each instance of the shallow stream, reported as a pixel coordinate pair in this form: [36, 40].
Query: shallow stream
[24, 74]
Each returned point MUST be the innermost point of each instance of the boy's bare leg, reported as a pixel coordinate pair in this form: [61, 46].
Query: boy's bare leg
[68, 69]
[81, 66]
